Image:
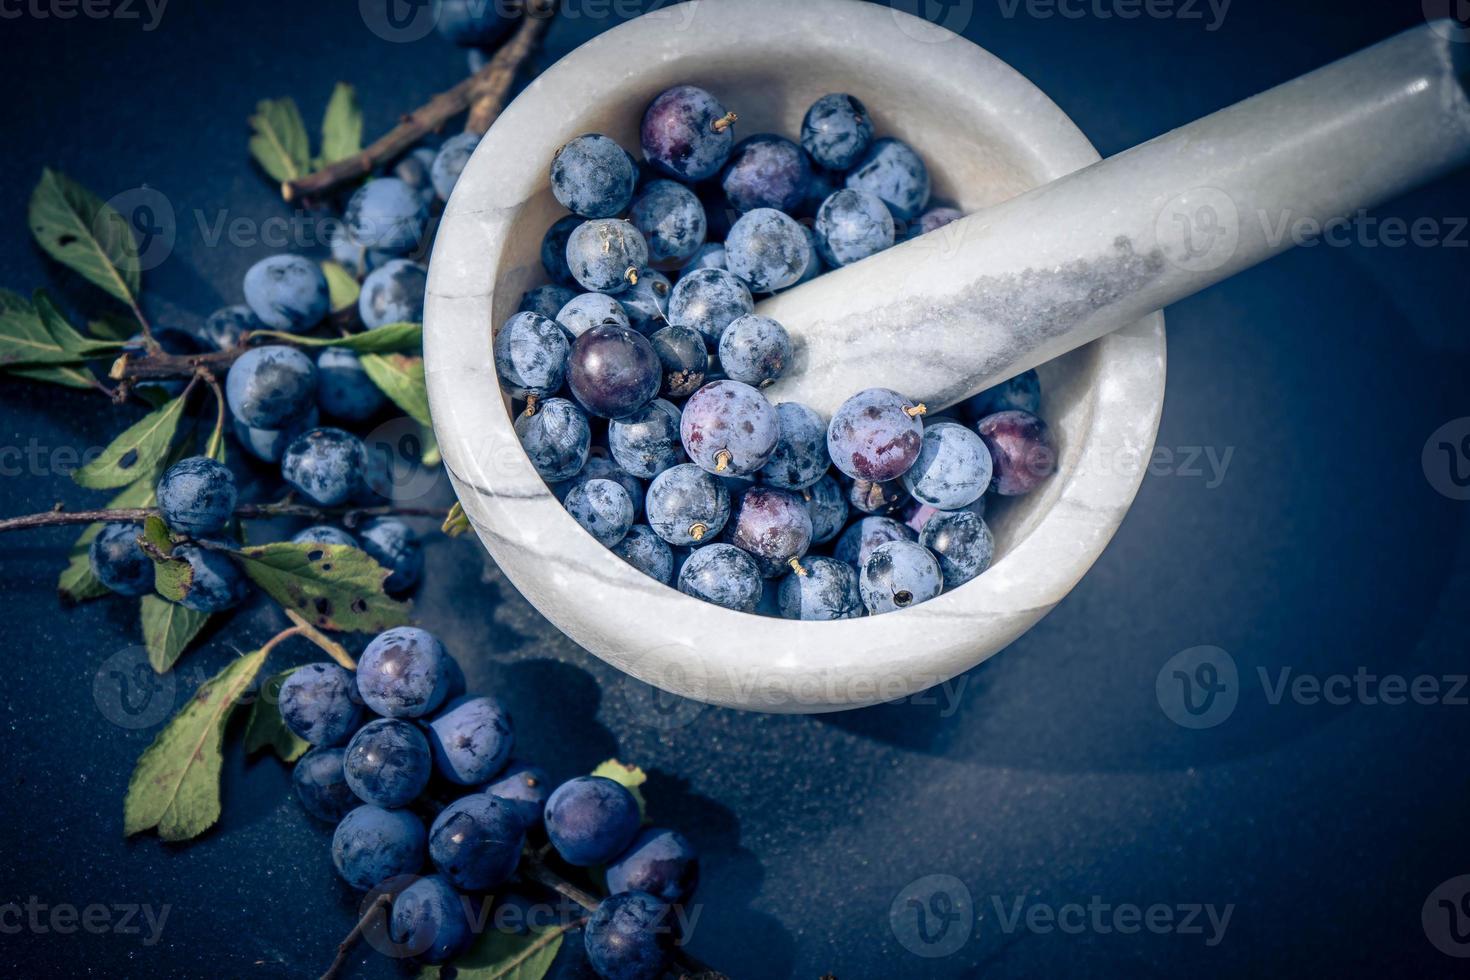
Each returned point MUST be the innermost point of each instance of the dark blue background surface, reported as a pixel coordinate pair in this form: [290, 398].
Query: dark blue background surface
[1048, 776]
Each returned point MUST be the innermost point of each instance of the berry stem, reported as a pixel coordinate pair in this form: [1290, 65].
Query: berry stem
[148, 340]
[914, 411]
[724, 122]
[274, 641]
[484, 94]
[215, 448]
[722, 460]
[328, 645]
[534, 869]
[350, 516]
[378, 907]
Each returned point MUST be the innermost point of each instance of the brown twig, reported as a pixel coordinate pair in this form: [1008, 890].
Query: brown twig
[485, 92]
[486, 107]
[350, 516]
[153, 366]
[158, 364]
[344, 948]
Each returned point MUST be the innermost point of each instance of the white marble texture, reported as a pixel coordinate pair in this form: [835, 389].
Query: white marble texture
[988, 135]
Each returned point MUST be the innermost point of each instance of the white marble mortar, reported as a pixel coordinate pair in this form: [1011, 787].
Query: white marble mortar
[988, 135]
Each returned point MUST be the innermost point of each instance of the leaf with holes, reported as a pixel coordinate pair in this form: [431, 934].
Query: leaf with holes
[341, 125]
[334, 586]
[266, 729]
[280, 144]
[382, 340]
[630, 776]
[499, 955]
[175, 785]
[86, 234]
[136, 451]
[342, 289]
[168, 629]
[172, 577]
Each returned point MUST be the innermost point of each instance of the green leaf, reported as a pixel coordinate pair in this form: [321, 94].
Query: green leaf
[385, 339]
[66, 336]
[457, 522]
[136, 451]
[24, 338]
[333, 586]
[77, 583]
[175, 785]
[172, 577]
[630, 776]
[402, 379]
[432, 456]
[86, 234]
[37, 343]
[69, 377]
[109, 327]
[498, 955]
[168, 628]
[342, 288]
[266, 729]
[342, 125]
[280, 144]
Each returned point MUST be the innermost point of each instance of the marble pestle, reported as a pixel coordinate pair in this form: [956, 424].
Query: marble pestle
[951, 313]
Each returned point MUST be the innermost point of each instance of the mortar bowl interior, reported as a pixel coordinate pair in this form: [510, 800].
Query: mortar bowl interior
[987, 135]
